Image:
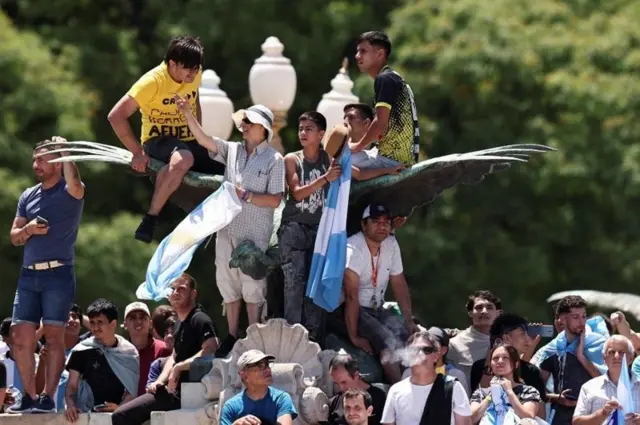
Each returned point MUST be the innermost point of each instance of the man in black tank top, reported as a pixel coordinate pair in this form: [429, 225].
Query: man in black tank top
[309, 172]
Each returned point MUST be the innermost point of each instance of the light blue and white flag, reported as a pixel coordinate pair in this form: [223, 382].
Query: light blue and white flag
[635, 367]
[623, 395]
[330, 251]
[175, 252]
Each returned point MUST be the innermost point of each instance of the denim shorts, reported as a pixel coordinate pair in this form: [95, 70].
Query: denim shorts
[44, 294]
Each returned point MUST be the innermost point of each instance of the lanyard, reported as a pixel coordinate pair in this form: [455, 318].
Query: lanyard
[375, 268]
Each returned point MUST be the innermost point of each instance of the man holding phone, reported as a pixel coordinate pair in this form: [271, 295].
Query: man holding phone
[46, 224]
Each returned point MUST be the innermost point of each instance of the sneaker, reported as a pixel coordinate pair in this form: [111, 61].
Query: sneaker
[144, 233]
[24, 405]
[44, 404]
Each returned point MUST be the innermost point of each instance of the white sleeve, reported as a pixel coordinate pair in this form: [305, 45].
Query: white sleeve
[396, 261]
[582, 405]
[354, 259]
[389, 411]
[461, 404]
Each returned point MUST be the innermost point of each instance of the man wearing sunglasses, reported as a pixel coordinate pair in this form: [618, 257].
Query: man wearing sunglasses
[165, 135]
[259, 403]
[426, 396]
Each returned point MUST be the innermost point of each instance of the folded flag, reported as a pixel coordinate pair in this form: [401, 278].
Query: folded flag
[175, 252]
[330, 251]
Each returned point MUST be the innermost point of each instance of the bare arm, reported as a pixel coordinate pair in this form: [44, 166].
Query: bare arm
[265, 199]
[285, 420]
[462, 420]
[119, 120]
[198, 109]
[596, 418]
[72, 388]
[372, 173]
[19, 233]
[166, 370]
[401, 293]
[526, 410]
[71, 173]
[297, 191]
[376, 128]
[202, 138]
[352, 304]
[208, 347]
[479, 409]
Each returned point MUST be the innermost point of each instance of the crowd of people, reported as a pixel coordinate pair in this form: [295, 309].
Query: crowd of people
[436, 375]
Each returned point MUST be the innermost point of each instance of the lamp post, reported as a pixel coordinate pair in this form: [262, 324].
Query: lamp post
[272, 83]
[333, 103]
[216, 107]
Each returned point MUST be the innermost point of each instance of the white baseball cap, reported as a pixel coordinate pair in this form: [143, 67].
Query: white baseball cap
[257, 114]
[136, 306]
[251, 357]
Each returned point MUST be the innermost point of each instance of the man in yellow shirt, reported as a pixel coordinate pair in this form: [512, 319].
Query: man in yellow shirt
[165, 135]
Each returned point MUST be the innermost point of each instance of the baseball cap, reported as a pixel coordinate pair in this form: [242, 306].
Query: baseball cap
[440, 335]
[252, 357]
[375, 210]
[136, 306]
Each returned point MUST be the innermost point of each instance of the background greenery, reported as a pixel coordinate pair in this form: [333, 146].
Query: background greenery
[484, 72]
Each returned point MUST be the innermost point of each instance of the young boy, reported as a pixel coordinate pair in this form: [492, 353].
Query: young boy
[309, 172]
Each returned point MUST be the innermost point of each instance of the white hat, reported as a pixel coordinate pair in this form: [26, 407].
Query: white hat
[136, 306]
[257, 114]
[251, 357]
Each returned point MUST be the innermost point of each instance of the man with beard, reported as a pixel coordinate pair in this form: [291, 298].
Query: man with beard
[373, 262]
[137, 323]
[46, 224]
[195, 336]
[357, 407]
[570, 370]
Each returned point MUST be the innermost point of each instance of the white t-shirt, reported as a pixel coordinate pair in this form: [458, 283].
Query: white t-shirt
[359, 261]
[406, 402]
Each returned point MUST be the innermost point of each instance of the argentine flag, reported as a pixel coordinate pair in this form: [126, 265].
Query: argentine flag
[623, 396]
[330, 251]
[174, 253]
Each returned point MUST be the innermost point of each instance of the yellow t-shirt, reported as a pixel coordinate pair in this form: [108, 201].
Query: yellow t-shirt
[153, 93]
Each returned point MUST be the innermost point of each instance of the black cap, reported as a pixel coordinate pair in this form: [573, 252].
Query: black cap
[375, 210]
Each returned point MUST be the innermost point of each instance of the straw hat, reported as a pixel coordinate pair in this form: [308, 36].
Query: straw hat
[335, 141]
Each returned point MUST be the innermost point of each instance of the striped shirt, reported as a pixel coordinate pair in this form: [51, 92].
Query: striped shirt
[595, 393]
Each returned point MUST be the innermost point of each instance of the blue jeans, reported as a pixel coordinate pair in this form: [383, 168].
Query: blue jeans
[370, 159]
[44, 294]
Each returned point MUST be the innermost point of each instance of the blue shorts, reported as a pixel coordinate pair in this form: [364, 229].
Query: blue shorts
[44, 294]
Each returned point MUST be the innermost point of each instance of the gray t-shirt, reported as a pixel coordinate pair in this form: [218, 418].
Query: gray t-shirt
[63, 212]
[308, 210]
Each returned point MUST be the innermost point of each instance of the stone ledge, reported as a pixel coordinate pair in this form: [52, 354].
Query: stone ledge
[179, 417]
[55, 419]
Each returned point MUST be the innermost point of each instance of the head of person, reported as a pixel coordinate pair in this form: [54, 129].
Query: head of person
[183, 292]
[358, 116]
[376, 222]
[373, 50]
[615, 349]
[443, 341]
[510, 329]
[43, 169]
[345, 372]
[483, 307]
[5, 331]
[423, 350]
[358, 406]
[558, 322]
[137, 319]
[255, 123]
[163, 321]
[505, 361]
[184, 58]
[311, 128]
[572, 310]
[254, 368]
[74, 323]
[103, 319]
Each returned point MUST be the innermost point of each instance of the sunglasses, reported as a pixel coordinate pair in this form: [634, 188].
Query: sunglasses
[260, 366]
[246, 121]
[426, 350]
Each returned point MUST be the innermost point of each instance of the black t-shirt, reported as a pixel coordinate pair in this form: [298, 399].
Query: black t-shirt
[336, 407]
[529, 373]
[568, 374]
[94, 368]
[3, 376]
[190, 334]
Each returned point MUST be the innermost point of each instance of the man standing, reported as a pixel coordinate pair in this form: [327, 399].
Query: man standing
[357, 407]
[395, 124]
[426, 397]
[256, 169]
[259, 403]
[373, 262]
[46, 223]
[473, 343]
[165, 135]
[195, 337]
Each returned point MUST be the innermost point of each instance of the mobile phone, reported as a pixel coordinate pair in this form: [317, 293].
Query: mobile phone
[41, 220]
[545, 331]
[571, 397]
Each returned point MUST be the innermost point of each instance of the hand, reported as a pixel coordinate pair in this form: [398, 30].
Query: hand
[139, 162]
[398, 222]
[362, 344]
[619, 322]
[248, 420]
[71, 413]
[396, 170]
[334, 171]
[60, 141]
[109, 407]
[152, 388]
[355, 147]
[182, 104]
[451, 333]
[411, 326]
[35, 228]
[632, 418]
[507, 386]
[609, 407]
[564, 401]
[580, 349]
[174, 377]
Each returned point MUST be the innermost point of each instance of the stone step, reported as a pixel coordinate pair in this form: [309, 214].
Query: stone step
[177, 417]
[55, 419]
[192, 395]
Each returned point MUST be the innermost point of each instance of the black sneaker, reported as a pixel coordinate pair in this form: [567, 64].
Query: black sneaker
[144, 233]
[24, 405]
[44, 404]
